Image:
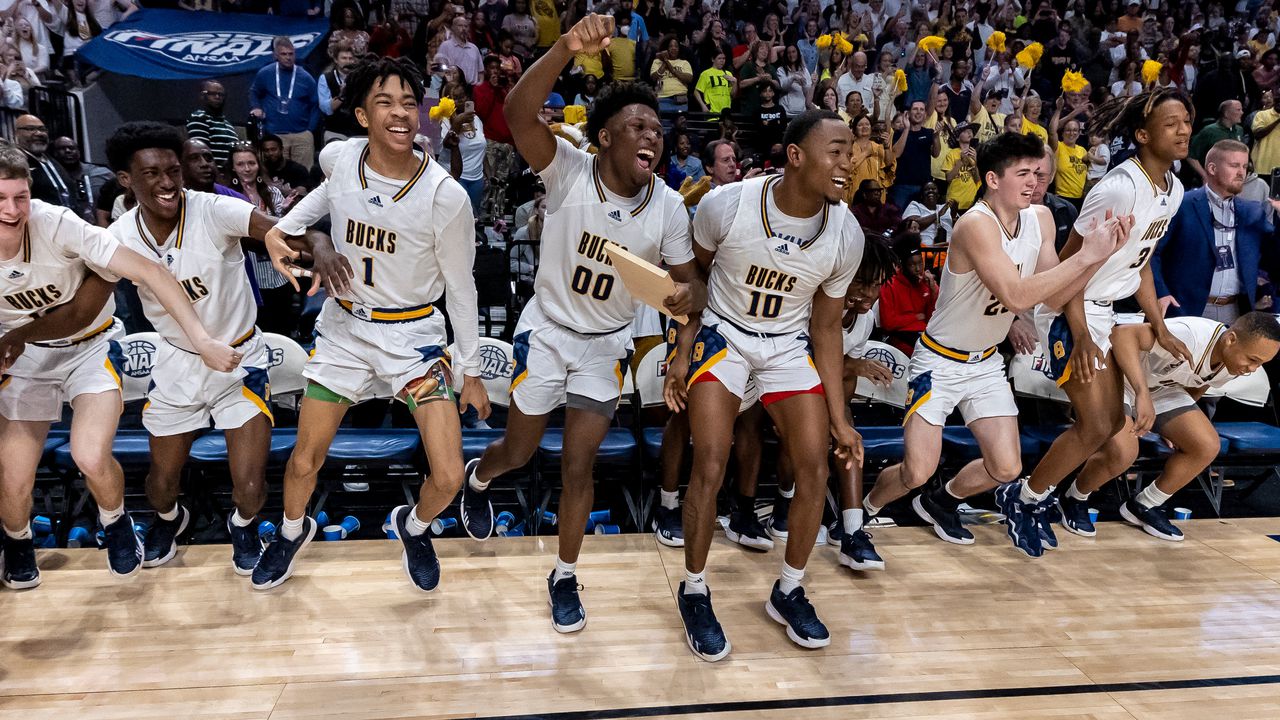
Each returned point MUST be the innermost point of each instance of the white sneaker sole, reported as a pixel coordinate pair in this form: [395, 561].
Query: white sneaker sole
[761, 544]
[854, 564]
[669, 542]
[136, 568]
[810, 643]
[467, 473]
[404, 554]
[1074, 531]
[307, 537]
[709, 658]
[937, 529]
[15, 584]
[567, 629]
[173, 547]
[1133, 520]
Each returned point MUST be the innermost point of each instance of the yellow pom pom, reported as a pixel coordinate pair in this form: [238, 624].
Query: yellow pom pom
[901, 78]
[932, 44]
[823, 42]
[1029, 56]
[1073, 82]
[995, 41]
[574, 114]
[843, 44]
[1151, 72]
[445, 108]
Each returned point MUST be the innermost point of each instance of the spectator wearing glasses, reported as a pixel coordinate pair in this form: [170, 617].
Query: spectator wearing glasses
[48, 181]
[84, 180]
[209, 122]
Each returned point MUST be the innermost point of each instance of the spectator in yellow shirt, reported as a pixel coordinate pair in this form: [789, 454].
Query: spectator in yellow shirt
[1030, 113]
[622, 56]
[671, 76]
[1073, 167]
[547, 16]
[1266, 141]
[961, 168]
[716, 86]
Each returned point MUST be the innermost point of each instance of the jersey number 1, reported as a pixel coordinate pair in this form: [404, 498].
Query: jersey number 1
[368, 271]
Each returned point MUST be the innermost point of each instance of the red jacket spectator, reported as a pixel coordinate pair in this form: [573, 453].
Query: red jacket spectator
[490, 99]
[906, 304]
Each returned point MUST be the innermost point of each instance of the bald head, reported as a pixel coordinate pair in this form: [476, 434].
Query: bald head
[198, 169]
[32, 135]
[213, 96]
[858, 64]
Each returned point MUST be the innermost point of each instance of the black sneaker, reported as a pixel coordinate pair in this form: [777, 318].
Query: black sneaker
[1152, 520]
[567, 613]
[161, 543]
[746, 530]
[857, 552]
[246, 546]
[778, 520]
[19, 563]
[476, 509]
[419, 557]
[701, 629]
[276, 564]
[796, 612]
[1020, 519]
[1047, 514]
[835, 532]
[668, 526]
[945, 521]
[124, 549]
[1075, 516]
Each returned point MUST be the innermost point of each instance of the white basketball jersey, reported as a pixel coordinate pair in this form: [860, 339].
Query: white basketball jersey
[203, 253]
[857, 334]
[1199, 335]
[968, 316]
[768, 266]
[576, 284]
[57, 249]
[1128, 189]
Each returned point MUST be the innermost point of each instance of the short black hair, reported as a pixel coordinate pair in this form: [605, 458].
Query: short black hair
[492, 59]
[133, 137]
[1003, 150]
[270, 137]
[1257, 324]
[804, 123]
[879, 262]
[611, 100]
[372, 72]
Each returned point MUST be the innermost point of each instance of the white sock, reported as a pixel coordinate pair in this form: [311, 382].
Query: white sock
[476, 483]
[563, 570]
[1074, 493]
[240, 521]
[870, 508]
[790, 579]
[170, 515]
[413, 525]
[109, 516]
[23, 534]
[291, 529]
[1151, 497]
[787, 493]
[1029, 496]
[670, 500]
[950, 487]
[851, 520]
[695, 583]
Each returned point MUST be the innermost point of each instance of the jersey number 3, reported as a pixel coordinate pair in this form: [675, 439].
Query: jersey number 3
[598, 286]
[1142, 258]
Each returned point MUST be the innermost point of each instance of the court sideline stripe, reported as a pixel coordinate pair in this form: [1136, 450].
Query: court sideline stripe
[889, 698]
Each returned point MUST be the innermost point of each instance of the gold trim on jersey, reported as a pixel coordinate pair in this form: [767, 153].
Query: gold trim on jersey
[957, 355]
[1155, 191]
[26, 243]
[1208, 350]
[764, 214]
[182, 223]
[245, 337]
[364, 182]
[391, 314]
[595, 179]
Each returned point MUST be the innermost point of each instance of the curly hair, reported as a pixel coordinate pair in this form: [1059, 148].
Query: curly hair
[611, 100]
[372, 72]
[133, 137]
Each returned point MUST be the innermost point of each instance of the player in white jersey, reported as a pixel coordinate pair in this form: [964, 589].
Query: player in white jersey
[780, 253]
[196, 236]
[404, 236]
[1161, 394]
[1001, 263]
[1075, 338]
[45, 252]
[573, 338]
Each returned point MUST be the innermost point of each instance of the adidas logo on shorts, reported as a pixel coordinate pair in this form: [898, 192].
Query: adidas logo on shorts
[376, 201]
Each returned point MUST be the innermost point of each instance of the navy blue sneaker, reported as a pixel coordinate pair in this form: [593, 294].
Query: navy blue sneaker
[161, 543]
[778, 520]
[1047, 514]
[835, 532]
[1152, 520]
[419, 556]
[567, 613]
[1075, 517]
[276, 564]
[701, 629]
[796, 612]
[19, 563]
[668, 526]
[945, 521]
[746, 530]
[124, 549]
[1020, 519]
[476, 508]
[857, 552]
[246, 546]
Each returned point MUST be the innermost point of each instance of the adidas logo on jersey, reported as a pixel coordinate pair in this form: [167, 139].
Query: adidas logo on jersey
[783, 249]
[376, 201]
[15, 274]
[615, 215]
[168, 259]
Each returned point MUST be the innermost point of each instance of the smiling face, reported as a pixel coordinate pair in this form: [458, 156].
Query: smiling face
[859, 299]
[631, 141]
[245, 165]
[32, 135]
[390, 112]
[862, 128]
[1245, 354]
[15, 207]
[155, 177]
[823, 160]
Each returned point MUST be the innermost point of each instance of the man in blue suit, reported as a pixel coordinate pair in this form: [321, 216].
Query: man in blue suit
[1207, 264]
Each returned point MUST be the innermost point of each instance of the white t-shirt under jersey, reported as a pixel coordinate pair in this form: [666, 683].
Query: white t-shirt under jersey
[768, 265]
[57, 249]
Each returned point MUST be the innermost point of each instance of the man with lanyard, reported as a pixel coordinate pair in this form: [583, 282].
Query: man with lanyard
[285, 97]
[85, 180]
[48, 183]
[339, 122]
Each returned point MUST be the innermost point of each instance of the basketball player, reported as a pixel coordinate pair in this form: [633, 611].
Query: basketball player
[196, 236]
[1001, 263]
[572, 340]
[1076, 338]
[46, 252]
[780, 253]
[406, 228]
[1161, 394]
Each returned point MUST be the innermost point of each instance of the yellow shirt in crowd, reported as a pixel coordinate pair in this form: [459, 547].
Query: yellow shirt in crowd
[964, 188]
[548, 20]
[1031, 128]
[1266, 151]
[1072, 170]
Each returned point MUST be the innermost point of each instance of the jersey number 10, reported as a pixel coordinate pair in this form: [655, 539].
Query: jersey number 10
[583, 284]
[765, 306]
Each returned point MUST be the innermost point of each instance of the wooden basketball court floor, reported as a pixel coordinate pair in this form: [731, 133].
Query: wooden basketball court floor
[1124, 626]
